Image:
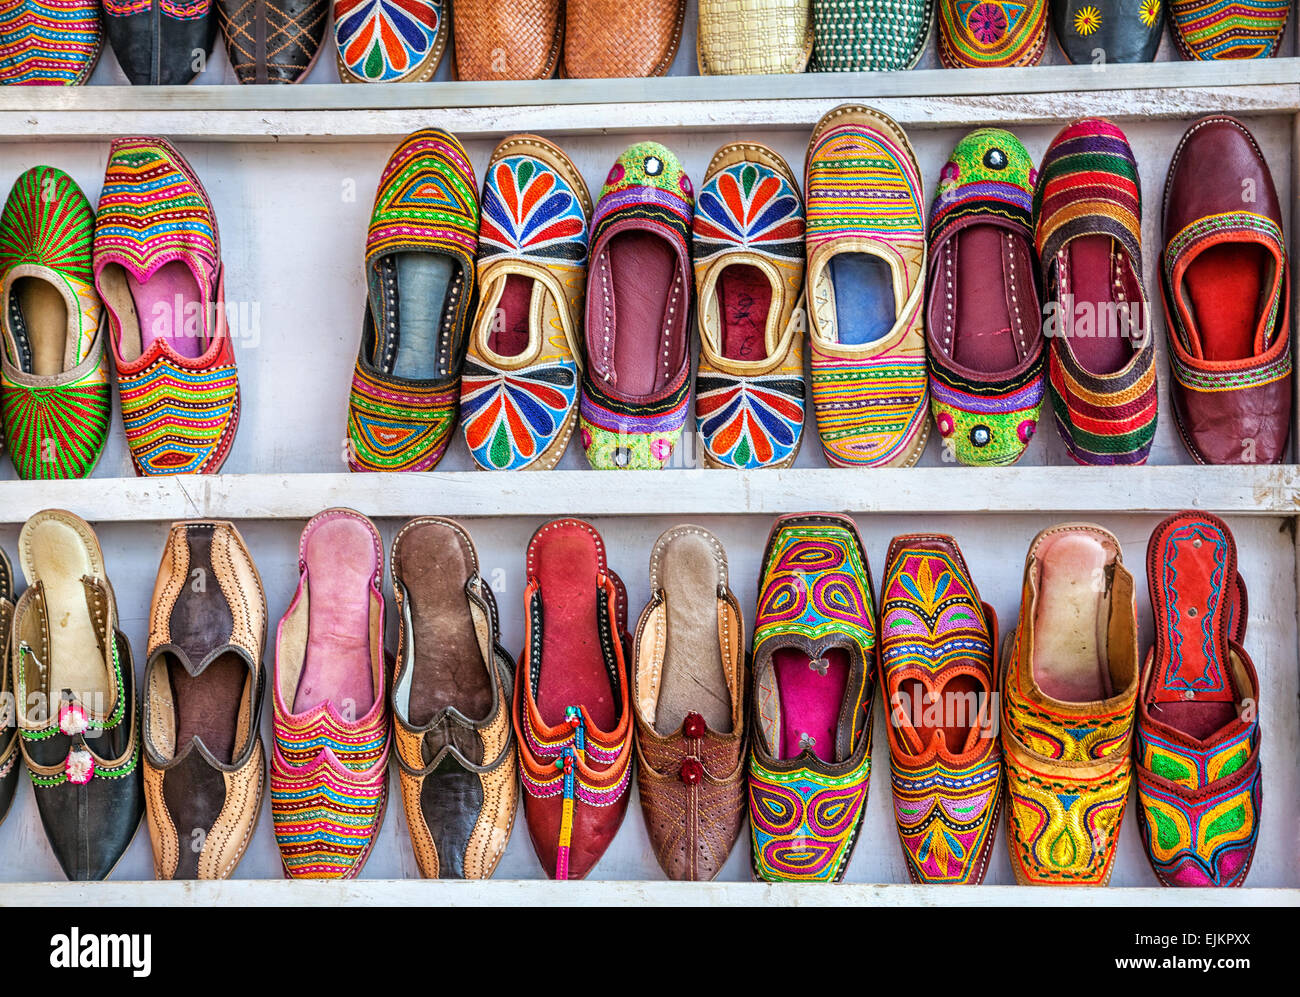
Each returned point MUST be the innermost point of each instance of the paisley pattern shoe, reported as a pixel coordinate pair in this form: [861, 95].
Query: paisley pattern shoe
[1069, 691]
[54, 391]
[749, 263]
[814, 688]
[1197, 753]
[937, 646]
[979, 33]
[519, 390]
[420, 278]
[390, 41]
[49, 42]
[158, 254]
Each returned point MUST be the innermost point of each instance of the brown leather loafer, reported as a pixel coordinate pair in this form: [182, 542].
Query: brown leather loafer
[204, 765]
[507, 39]
[604, 39]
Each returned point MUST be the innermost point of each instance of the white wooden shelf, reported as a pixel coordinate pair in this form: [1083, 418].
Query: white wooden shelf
[1271, 490]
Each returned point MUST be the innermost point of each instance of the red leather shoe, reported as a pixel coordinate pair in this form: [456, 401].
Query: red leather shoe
[571, 709]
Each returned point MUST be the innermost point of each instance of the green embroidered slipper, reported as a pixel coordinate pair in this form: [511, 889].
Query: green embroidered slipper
[55, 400]
[851, 36]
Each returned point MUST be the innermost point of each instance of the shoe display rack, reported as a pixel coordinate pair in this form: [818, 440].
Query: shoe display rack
[292, 171]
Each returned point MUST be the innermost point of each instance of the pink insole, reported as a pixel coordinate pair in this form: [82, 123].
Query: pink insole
[166, 304]
[745, 297]
[1091, 284]
[644, 266]
[984, 342]
[509, 336]
[1225, 284]
[340, 558]
[810, 701]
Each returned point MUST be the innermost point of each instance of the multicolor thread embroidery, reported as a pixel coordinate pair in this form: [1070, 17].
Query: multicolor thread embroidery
[976, 33]
[383, 40]
[178, 421]
[1229, 29]
[48, 42]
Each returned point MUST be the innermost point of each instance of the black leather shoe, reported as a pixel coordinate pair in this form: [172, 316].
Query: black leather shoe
[273, 41]
[9, 751]
[168, 43]
[1099, 32]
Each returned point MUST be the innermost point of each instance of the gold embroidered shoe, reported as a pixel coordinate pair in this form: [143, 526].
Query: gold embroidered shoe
[1068, 699]
[519, 389]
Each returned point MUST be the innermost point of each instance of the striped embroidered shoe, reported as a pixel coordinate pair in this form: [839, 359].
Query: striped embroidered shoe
[49, 42]
[636, 379]
[390, 41]
[1088, 233]
[1228, 29]
[1197, 751]
[750, 391]
[54, 391]
[420, 277]
[983, 326]
[519, 391]
[979, 33]
[1069, 689]
[851, 36]
[814, 689]
[329, 765]
[938, 674]
[866, 281]
[158, 271]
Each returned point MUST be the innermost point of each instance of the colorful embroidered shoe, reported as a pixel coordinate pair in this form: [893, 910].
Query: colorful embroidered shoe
[519, 391]
[1097, 32]
[49, 42]
[451, 704]
[1069, 689]
[852, 36]
[158, 271]
[572, 713]
[10, 751]
[329, 766]
[1198, 768]
[866, 280]
[389, 41]
[74, 688]
[688, 685]
[937, 652]
[204, 766]
[980, 33]
[420, 279]
[1088, 233]
[814, 688]
[1226, 285]
[54, 390]
[1236, 29]
[636, 378]
[983, 324]
[749, 263]
[161, 42]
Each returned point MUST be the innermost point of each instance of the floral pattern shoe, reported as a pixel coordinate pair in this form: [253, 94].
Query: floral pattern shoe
[866, 282]
[158, 271]
[937, 646]
[983, 324]
[54, 392]
[814, 688]
[979, 33]
[420, 277]
[329, 765]
[749, 262]
[49, 42]
[637, 375]
[519, 390]
[1069, 690]
[1197, 753]
[74, 687]
[1097, 32]
[390, 41]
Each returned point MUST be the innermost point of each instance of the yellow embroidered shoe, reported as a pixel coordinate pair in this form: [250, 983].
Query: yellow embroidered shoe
[519, 389]
[866, 266]
[747, 243]
[1068, 698]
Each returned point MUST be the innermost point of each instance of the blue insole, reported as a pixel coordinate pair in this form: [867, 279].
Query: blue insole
[864, 298]
[422, 282]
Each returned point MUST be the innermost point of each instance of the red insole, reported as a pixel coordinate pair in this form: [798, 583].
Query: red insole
[572, 667]
[745, 297]
[956, 709]
[509, 335]
[984, 341]
[1091, 284]
[341, 560]
[810, 702]
[1224, 285]
[643, 266]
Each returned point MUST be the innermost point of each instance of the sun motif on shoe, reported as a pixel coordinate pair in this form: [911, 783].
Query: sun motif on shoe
[1149, 11]
[987, 22]
[1087, 20]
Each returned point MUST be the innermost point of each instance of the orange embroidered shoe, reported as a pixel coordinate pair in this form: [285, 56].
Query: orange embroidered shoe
[1068, 695]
